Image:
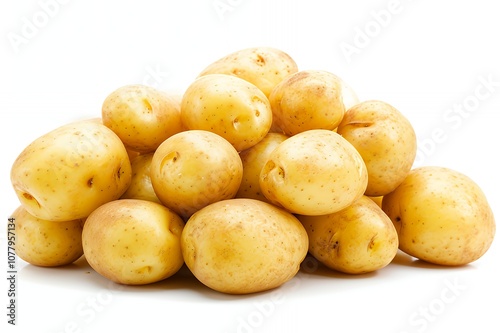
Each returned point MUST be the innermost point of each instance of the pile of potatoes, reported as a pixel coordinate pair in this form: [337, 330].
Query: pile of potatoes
[256, 165]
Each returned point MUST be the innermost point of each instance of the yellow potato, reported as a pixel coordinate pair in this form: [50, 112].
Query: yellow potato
[140, 186]
[264, 67]
[441, 216]
[67, 173]
[229, 106]
[253, 160]
[307, 100]
[47, 243]
[241, 246]
[142, 116]
[385, 139]
[358, 239]
[133, 242]
[193, 169]
[377, 200]
[315, 172]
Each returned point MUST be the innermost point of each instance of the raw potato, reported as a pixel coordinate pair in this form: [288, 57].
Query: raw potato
[193, 169]
[141, 186]
[229, 106]
[254, 159]
[441, 216]
[67, 173]
[315, 172]
[142, 116]
[264, 67]
[358, 239]
[242, 246]
[47, 243]
[385, 139]
[307, 100]
[133, 242]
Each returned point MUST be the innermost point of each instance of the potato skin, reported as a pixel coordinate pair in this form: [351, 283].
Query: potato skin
[306, 100]
[142, 116]
[47, 243]
[315, 172]
[133, 242]
[228, 106]
[70, 171]
[385, 139]
[264, 67]
[193, 169]
[141, 186]
[358, 239]
[242, 246]
[441, 216]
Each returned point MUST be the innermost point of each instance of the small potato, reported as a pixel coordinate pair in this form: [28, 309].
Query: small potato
[228, 106]
[140, 186]
[193, 169]
[253, 160]
[307, 100]
[358, 239]
[133, 242]
[242, 246]
[385, 139]
[441, 216]
[315, 172]
[67, 173]
[47, 243]
[142, 116]
[264, 67]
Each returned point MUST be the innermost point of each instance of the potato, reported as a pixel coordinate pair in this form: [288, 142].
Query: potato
[253, 160]
[142, 116]
[315, 172]
[70, 171]
[264, 67]
[141, 186]
[133, 242]
[193, 169]
[441, 216]
[385, 139]
[307, 100]
[242, 246]
[229, 106]
[47, 243]
[358, 239]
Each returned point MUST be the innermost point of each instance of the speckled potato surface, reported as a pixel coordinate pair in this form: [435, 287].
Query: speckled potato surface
[315, 172]
[358, 239]
[47, 243]
[385, 139]
[441, 216]
[140, 185]
[242, 246]
[70, 171]
[133, 242]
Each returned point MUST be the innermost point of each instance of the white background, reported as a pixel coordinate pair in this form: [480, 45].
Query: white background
[427, 58]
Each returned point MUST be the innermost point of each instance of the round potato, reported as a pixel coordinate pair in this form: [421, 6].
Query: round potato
[315, 172]
[253, 160]
[264, 67]
[441, 216]
[47, 243]
[141, 186]
[193, 169]
[133, 242]
[307, 100]
[67, 173]
[229, 106]
[242, 246]
[142, 116]
[358, 239]
[385, 139]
